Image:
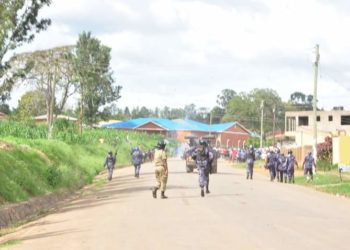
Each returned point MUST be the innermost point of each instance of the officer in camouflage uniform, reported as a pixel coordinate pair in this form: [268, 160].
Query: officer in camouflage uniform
[110, 164]
[161, 169]
[203, 157]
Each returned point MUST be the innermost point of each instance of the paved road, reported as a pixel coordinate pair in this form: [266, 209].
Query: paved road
[238, 214]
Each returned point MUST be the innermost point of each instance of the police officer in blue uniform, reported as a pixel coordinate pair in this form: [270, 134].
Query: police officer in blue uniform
[270, 164]
[308, 163]
[290, 166]
[203, 156]
[250, 155]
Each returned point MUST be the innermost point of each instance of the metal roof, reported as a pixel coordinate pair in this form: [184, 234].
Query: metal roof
[173, 125]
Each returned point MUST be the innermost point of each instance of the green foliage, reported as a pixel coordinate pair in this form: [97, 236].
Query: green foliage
[92, 71]
[31, 104]
[31, 165]
[327, 182]
[246, 109]
[19, 23]
[9, 244]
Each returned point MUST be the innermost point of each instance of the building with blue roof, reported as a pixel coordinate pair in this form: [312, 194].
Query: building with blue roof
[230, 134]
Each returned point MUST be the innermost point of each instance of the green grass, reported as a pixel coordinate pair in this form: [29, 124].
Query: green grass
[328, 182]
[31, 165]
[9, 244]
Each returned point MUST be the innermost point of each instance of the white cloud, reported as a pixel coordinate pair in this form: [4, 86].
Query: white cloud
[175, 52]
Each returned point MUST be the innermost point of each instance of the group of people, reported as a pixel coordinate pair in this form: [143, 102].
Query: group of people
[282, 167]
[202, 154]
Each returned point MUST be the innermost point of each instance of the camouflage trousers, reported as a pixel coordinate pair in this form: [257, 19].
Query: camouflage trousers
[161, 178]
[203, 176]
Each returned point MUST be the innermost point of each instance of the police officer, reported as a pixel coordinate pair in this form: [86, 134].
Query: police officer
[282, 168]
[203, 157]
[161, 169]
[270, 164]
[250, 158]
[136, 157]
[308, 163]
[110, 164]
[290, 166]
[277, 163]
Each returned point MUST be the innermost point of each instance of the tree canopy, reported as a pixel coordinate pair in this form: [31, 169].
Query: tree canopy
[19, 23]
[94, 77]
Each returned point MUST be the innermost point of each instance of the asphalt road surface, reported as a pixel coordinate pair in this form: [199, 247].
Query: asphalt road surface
[238, 214]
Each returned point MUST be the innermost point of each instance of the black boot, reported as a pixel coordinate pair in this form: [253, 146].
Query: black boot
[202, 192]
[163, 196]
[154, 192]
[207, 190]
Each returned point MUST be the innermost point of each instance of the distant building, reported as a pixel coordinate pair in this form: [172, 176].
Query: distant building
[299, 124]
[231, 134]
[43, 118]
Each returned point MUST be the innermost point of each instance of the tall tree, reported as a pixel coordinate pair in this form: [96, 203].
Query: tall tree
[31, 104]
[225, 97]
[246, 109]
[299, 101]
[93, 73]
[51, 73]
[217, 114]
[190, 111]
[19, 24]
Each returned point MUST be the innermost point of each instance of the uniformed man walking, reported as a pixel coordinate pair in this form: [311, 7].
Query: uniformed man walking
[136, 156]
[250, 155]
[110, 164]
[270, 163]
[203, 157]
[308, 163]
[290, 166]
[161, 169]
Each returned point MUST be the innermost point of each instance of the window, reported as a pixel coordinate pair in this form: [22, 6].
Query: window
[303, 121]
[345, 120]
[318, 118]
[330, 118]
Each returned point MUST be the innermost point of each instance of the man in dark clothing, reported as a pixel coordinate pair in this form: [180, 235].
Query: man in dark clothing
[308, 163]
[136, 156]
[110, 164]
[203, 157]
[270, 164]
[290, 166]
[250, 155]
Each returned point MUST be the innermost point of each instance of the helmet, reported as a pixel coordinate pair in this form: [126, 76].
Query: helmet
[161, 144]
[110, 153]
[290, 151]
[203, 142]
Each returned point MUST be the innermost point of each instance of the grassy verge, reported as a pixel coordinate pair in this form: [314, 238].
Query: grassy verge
[9, 244]
[35, 167]
[328, 182]
[325, 181]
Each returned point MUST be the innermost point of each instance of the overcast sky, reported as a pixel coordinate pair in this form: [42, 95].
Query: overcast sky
[177, 52]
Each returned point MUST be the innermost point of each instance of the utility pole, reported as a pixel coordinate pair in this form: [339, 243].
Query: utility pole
[262, 123]
[316, 63]
[210, 121]
[274, 123]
